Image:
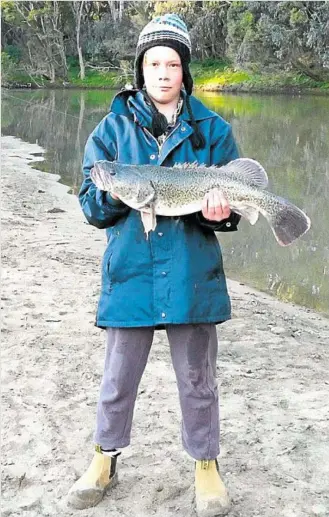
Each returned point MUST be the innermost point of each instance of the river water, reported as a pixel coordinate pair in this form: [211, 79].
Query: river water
[288, 135]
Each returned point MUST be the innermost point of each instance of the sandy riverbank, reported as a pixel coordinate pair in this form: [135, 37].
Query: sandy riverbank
[272, 370]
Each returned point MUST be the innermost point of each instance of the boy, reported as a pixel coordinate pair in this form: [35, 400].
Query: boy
[175, 279]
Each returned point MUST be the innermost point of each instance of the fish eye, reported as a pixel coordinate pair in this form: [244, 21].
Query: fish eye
[113, 173]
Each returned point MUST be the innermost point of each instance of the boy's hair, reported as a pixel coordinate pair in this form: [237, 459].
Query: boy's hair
[168, 31]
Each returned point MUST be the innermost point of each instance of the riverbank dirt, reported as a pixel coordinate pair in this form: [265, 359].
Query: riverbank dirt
[272, 370]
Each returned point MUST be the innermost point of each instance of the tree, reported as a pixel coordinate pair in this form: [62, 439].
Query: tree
[77, 9]
[40, 26]
[283, 35]
[209, 32]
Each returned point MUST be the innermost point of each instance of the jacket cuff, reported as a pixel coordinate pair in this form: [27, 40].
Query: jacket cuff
[226, 225]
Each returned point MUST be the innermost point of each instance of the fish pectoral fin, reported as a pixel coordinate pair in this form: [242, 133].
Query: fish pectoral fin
[149, 219]
[146, 194]
[248, 212]
[249, 170]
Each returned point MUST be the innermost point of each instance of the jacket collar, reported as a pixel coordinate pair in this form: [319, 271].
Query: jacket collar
[132, 104]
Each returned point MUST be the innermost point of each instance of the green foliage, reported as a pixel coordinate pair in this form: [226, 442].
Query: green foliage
[279, 42]
[297, 17]
[35, 14]
[14, 52]
[8, 67]
[183, 8]
[8, 12]
[72, 61]
[247, 21]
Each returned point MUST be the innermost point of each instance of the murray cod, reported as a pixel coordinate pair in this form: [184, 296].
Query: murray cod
[179, 190]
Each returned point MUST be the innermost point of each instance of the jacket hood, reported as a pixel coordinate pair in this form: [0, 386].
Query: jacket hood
[132, 104]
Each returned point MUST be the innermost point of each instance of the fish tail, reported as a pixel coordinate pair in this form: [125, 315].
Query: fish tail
[288, 222]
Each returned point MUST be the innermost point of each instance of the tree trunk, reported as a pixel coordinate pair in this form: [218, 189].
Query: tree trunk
[113, 9]
[121, 8]
[78, 16]
[59, 39]
[52, 73]
[81, 64]
[63, 58]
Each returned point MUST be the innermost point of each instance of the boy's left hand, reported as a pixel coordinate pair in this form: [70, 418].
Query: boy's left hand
[215, 206]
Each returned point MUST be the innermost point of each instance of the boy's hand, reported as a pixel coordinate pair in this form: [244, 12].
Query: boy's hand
[215, 206]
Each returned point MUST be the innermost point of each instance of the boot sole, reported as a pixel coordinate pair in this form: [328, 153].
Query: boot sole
[80, 500]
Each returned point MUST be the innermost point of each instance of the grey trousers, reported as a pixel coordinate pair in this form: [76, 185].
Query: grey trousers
[194, 351]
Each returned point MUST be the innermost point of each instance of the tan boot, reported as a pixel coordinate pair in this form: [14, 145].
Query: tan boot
[89, 490]
[211, 496]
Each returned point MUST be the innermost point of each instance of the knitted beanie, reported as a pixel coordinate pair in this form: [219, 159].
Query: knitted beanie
[168, 30]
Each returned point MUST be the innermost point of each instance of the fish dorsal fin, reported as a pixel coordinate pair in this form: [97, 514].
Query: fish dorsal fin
[249, 170]
[192, 165]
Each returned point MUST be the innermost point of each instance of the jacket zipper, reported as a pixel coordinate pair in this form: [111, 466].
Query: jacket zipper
[160, 146]
[150, 134]
[173, 131]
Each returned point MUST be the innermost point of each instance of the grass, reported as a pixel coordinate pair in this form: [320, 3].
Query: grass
[222, 76]
[211, 74]
[94, 78]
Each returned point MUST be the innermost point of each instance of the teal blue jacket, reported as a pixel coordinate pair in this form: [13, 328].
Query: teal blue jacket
[177, 275]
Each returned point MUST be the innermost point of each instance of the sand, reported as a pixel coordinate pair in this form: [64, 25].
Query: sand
[272, 371]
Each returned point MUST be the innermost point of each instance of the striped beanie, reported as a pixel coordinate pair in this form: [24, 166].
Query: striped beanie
[168, 30]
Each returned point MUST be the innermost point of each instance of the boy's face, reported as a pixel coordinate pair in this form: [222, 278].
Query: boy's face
[163, 74]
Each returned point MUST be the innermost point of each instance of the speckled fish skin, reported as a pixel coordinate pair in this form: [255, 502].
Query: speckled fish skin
[179, 190]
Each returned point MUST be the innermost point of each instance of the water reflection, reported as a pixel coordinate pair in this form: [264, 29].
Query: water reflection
[288, 135]
[60, 121]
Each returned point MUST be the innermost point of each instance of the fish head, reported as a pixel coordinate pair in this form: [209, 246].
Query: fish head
[124, 180]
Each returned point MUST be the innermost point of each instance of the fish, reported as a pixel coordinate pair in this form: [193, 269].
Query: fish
[179, 190]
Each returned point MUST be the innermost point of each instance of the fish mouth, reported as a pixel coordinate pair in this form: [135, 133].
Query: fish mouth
[102, 176]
